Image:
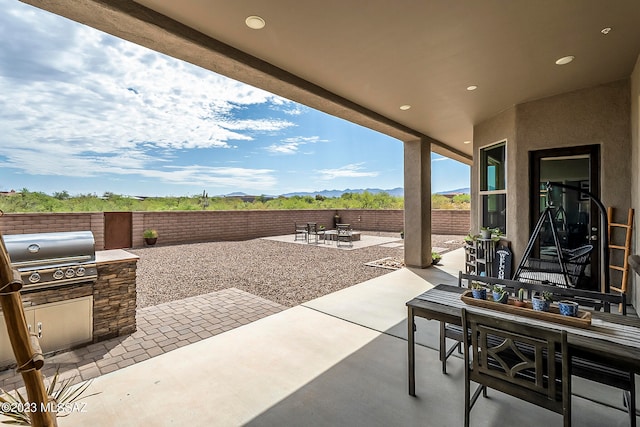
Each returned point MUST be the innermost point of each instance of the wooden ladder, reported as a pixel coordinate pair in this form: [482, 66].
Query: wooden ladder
[624, 268]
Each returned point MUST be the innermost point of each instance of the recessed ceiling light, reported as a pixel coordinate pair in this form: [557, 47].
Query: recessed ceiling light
[472, 87]
[467, 142]
[565, 60]
[405, 107]
[606, 30]
[255, 22]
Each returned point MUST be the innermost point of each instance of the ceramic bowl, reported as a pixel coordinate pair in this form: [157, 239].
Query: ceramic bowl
[568, 308]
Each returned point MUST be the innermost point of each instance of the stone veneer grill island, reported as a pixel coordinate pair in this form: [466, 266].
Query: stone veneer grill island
[112, 310]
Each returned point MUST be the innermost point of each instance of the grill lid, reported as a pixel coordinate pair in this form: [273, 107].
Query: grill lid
[50, 248]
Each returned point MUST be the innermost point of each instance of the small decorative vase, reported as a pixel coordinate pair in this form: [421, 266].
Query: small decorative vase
[501, 297]
[540, 304]
[568, 308]
[479, 293]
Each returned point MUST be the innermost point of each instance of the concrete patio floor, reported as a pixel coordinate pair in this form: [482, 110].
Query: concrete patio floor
[339, 360]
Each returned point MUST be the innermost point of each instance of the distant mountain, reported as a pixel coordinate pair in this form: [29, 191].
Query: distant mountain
[398, 192]
[466, 190]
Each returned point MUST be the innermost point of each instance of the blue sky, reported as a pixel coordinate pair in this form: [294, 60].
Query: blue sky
[86, 112]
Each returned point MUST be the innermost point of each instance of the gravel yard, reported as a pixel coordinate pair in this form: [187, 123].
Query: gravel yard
[285, 273]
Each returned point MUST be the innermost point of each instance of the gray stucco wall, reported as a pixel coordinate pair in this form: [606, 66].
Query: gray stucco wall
[597, 115]
[499, 128]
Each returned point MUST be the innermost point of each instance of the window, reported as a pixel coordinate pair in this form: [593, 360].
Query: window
[493, 186]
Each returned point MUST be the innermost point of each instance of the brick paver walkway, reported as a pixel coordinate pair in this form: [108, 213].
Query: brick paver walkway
[161, 328]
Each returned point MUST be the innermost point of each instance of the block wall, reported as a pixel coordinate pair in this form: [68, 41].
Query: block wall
[203, 226]
[450, 222]
[26, 223]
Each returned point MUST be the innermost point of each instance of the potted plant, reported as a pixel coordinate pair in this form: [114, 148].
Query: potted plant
[402, 234]
[435, 258]
[485, 232]
[336, 219]
[542, 302]
[496, 234]
[500, 295]
[520, 302]
[470, 238]
[150, 236]
[478, 290]
[568, 308]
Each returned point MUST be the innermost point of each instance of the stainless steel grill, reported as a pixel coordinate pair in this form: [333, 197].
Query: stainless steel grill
[52, 259]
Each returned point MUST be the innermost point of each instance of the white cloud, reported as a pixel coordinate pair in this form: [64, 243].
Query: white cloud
[354, 170]
[227, 177]
[78, 102]
[292, 145]
[296, 110]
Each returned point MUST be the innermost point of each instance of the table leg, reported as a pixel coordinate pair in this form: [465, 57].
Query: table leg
[411, 351]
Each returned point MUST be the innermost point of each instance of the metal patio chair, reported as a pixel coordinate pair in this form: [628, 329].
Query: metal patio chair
[301, 231]
[344, 235]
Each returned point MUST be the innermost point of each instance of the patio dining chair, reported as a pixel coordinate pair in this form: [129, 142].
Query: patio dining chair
[493, 360]
[301, 231]
[582, 368]
[344, 235]
[314, 231]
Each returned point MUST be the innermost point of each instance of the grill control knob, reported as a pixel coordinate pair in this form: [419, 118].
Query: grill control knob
[80, 271]
[69, 273]
[58, 274]
[34, 277]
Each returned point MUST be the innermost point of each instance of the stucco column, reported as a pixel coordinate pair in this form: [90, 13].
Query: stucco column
[417, 203]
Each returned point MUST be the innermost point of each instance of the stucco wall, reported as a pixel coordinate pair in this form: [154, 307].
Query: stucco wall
[499, 128]
[635, 167]
[597, 115]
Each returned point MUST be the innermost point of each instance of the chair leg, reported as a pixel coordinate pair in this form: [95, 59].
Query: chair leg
[443, 348]
[629, 403]
[467, 400]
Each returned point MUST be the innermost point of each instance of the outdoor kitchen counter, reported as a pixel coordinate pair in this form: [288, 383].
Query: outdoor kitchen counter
[70, 315]
[114, 255]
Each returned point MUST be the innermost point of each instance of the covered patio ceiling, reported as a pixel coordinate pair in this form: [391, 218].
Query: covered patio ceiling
[362, 61]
